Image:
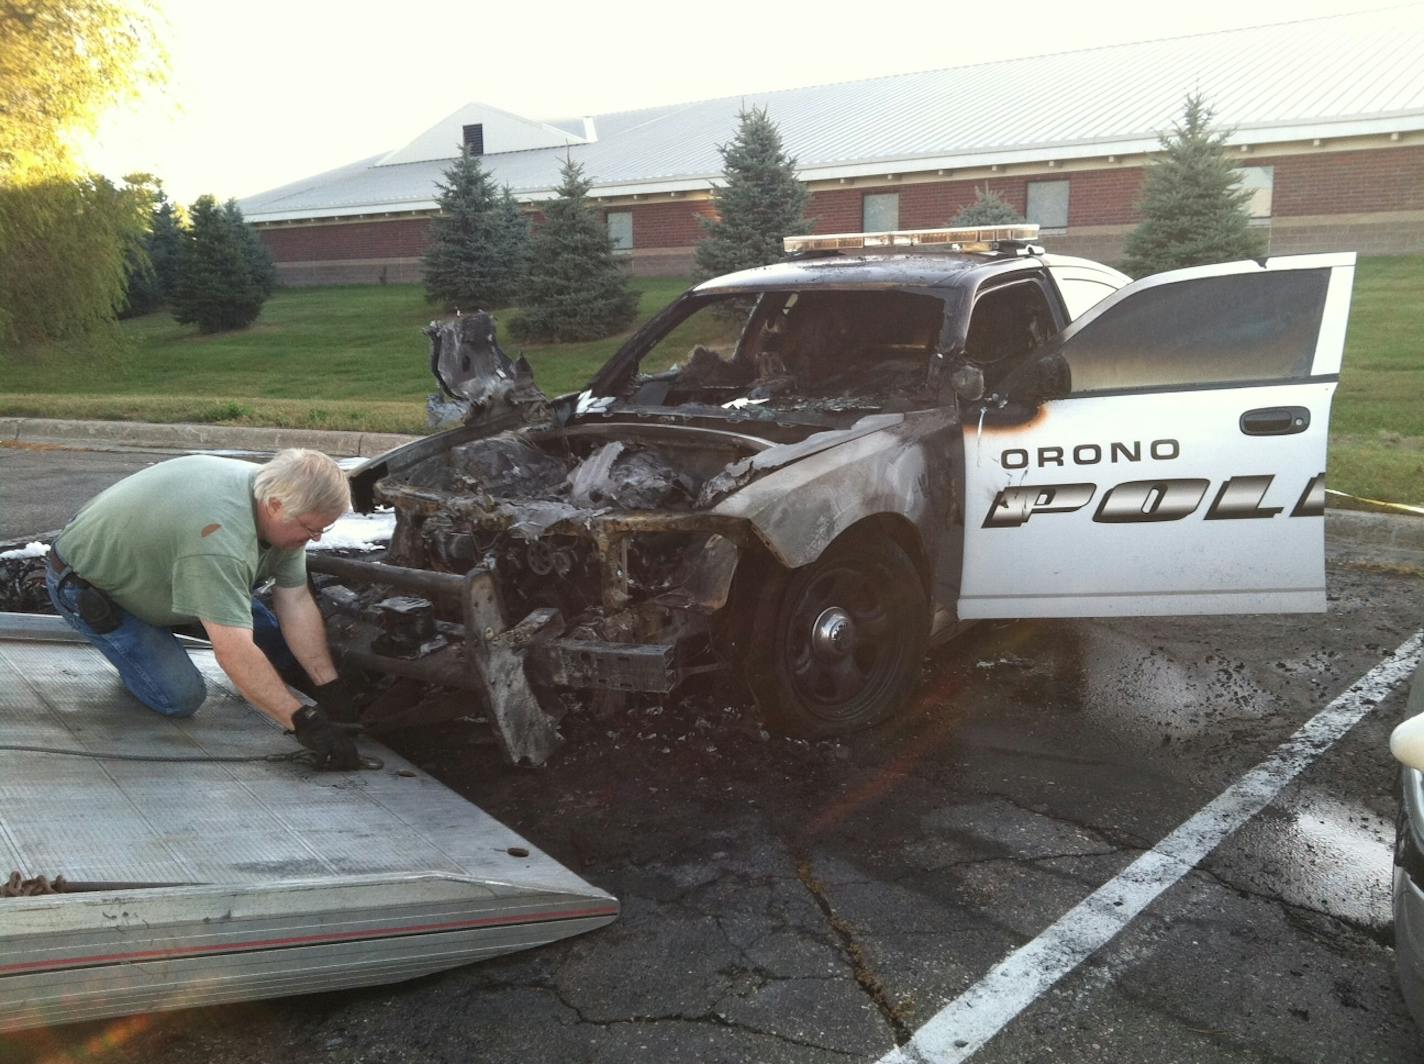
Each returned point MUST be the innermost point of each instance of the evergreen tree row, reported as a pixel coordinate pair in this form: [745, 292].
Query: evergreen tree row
[213, 272]
[571, 287]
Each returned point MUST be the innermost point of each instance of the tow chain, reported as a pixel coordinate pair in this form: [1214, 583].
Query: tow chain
[297, 757]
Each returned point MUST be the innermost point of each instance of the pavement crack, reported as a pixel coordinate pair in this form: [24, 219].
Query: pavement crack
[709, 1019]
[893, 1012]
[1380, 934]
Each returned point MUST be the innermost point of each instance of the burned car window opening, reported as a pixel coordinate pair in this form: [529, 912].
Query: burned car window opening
[1008, 323]
[831, 350]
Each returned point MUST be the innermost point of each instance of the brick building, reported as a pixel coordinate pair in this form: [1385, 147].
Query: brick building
[1327, 120]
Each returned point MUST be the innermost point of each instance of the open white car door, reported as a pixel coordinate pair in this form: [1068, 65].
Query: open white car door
[1185, 470]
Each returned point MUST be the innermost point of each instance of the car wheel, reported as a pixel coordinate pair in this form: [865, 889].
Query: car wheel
[838, 643]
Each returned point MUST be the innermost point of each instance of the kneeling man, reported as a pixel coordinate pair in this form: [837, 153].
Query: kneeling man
[188, 540]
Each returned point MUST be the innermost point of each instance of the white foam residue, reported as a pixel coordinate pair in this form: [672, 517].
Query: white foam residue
[358, 532]
[29, 550]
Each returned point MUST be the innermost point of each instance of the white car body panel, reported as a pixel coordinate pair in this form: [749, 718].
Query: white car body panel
[1083, 283]
[1118, 504]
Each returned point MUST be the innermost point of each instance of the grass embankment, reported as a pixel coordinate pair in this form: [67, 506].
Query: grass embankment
[354, 358]
[1377, 422]
[350, 357]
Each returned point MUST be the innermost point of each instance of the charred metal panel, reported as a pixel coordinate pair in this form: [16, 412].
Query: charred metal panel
[611, 666]
[469, 365]
[800, 509]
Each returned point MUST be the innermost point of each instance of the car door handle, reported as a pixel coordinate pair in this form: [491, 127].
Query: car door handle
[1275, 421]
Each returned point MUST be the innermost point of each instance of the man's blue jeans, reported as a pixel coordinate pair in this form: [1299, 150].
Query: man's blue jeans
[151, 662]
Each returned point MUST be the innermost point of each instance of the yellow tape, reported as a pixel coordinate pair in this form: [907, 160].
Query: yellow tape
[1393, 507]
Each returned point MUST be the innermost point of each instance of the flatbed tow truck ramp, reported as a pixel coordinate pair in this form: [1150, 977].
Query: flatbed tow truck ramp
[197, 883]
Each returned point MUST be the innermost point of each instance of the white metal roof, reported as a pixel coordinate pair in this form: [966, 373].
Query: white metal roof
[1344, 75]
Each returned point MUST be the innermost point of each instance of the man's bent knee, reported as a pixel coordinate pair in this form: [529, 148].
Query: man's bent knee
[182, 698]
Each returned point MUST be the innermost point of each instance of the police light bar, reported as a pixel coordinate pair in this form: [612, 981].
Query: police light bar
[958, 238]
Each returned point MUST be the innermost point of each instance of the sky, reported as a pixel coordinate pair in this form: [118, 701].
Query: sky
[267, 92]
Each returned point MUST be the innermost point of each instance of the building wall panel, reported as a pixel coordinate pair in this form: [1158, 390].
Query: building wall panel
[1371, 200]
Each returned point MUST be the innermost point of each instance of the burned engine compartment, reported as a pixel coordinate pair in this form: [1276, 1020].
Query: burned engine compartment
[581, 544]
[569, 520]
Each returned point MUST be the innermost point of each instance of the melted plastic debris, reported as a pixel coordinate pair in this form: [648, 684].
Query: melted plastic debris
[626, 478]
[507, 466]
[529, 520]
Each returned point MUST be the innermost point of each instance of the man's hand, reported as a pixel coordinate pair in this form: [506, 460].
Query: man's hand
[337, 699]
[334, 750]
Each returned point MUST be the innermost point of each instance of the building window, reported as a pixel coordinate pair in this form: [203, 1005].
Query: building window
[880, 212]
[1259, 181]
[620, 230]
[1048, 204]
[474, 136]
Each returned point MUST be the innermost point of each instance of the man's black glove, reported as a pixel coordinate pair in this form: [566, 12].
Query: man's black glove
[338, 700]
[334, 750]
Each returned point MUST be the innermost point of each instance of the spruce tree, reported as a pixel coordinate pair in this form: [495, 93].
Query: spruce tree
[153, 265]
[576, 289]
[988, 208]
[217, 288]
[1193, 207]
[512, 244]
[259, 260]
[165, 238]
[462, 268]
[760, 200]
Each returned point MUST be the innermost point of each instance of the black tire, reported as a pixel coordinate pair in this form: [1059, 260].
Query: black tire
[837, 644]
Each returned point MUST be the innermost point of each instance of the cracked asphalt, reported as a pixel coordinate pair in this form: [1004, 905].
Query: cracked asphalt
[789, 902]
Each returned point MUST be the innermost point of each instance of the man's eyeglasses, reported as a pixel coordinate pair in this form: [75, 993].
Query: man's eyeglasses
[314, 533]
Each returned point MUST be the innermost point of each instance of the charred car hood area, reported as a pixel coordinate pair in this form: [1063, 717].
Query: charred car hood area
[608, 528]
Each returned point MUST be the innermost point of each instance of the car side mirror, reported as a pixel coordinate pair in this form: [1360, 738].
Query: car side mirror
[1049, 378]
[1406, 742]
[968, 382]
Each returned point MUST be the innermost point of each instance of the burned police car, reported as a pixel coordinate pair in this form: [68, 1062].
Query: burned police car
[803, 474]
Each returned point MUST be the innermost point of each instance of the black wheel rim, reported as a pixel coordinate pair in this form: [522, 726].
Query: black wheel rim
[844, 640]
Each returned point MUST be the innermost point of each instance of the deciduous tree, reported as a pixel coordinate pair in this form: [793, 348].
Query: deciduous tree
[65, 236]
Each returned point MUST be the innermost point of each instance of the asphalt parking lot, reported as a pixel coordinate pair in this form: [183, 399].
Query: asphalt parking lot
[788, 902]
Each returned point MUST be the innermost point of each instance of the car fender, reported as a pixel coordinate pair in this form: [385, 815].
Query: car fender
[798, 510]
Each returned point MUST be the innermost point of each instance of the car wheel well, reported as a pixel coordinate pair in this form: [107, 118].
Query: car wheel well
[898, 529]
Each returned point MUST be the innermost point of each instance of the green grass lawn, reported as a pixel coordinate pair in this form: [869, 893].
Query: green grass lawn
[1377, 420]
[349, 357]
[355, 358]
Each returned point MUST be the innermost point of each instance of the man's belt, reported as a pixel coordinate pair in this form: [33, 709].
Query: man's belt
[96, 608]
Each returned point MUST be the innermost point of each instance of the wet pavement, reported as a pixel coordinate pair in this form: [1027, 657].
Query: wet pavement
[787, 901]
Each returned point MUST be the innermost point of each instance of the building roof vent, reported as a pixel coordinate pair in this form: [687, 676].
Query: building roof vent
[481, 130]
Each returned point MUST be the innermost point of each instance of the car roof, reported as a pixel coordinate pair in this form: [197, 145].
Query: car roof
[923, 270]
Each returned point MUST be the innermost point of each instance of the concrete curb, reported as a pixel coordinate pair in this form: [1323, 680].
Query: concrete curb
[137, 435]
[1379, 539]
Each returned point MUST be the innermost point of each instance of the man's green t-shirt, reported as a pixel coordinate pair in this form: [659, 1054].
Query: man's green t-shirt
[177, 542]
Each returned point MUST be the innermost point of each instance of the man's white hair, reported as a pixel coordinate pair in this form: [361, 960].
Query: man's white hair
[304, 482]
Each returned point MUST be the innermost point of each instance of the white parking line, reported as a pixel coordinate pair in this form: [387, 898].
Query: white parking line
[965, 1024]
